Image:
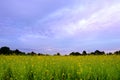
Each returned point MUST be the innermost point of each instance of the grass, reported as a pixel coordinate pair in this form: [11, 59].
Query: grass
[60, 67]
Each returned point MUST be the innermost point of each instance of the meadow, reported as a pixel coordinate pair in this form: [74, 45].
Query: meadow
[60, 67]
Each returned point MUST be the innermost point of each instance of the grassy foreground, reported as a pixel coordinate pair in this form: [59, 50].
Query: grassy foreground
[60, 67]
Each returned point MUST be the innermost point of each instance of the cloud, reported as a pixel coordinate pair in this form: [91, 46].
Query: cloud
[68, 21]
[61, 25]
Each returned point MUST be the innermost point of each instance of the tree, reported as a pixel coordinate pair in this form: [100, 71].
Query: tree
[58, 54]
[75, 54]
[40, 54]
[92, 53]
[5, 50]
[33, 53]
[102, 53]
[117, 52]
[84, 53]
[17, 52]
[72, 53]
[110, 53]
[97, 52]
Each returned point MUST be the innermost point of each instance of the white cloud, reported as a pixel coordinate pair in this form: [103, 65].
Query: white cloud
[69, 26]
[68, 22]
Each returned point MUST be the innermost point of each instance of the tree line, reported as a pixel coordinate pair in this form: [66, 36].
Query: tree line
[7, 51]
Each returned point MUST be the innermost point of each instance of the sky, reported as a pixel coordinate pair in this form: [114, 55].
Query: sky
[51, 26]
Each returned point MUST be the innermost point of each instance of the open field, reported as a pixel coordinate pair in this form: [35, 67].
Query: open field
[60, 67]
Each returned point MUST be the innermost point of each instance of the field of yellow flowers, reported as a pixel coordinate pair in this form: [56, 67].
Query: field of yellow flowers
[60, 67]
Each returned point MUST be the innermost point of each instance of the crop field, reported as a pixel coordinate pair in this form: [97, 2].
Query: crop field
[60, 67]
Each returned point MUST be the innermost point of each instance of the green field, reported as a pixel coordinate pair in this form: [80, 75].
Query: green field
[60, 67]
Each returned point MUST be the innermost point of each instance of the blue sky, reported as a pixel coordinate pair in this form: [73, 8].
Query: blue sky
[51, 26]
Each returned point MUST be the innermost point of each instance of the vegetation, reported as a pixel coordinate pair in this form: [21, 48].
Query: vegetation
[96, 65]
[60, 67]
[7, 51]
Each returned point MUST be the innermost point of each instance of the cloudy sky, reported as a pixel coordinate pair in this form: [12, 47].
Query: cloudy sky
[51, 26]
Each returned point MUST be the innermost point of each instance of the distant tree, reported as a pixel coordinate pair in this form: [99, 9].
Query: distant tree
[117, 52]
[102, 53]
[75, 54]
[17, 52]
[110, 53]
[97, 52]
[92, 53]
[84, 53]
[5, 50]
[33, 53]
[72, 53]
[58, 54]
[40, 54]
